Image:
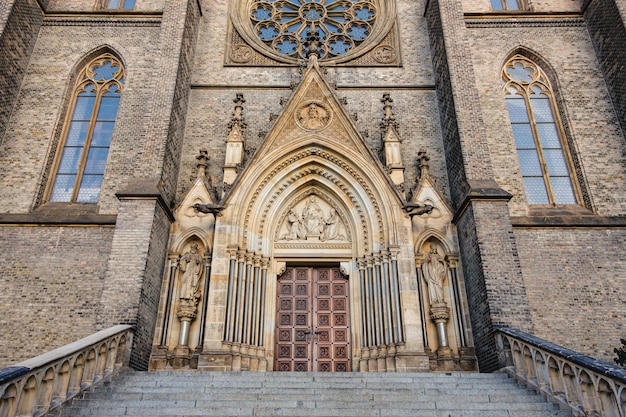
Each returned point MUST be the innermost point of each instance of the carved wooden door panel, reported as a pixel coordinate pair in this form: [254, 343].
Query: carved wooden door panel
[313, 321]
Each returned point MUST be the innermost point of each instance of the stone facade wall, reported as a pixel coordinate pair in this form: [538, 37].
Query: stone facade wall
[57, 6]
[585, 104]
[605, 22]
[51, 280]
[20, 21]
[214, 87]
[34, 132]
[178, 45]
[481, 6]
[576, 285]
[132, 285]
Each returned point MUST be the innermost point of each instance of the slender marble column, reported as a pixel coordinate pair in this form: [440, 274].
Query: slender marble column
[230, 302]
[247, 307]
[395, 285]
[239, 291]
[256, 302]
[168, 303]
[205, 299]
[387, 300]
[364, 323]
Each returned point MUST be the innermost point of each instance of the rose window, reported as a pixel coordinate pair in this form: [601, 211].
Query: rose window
[340, 25]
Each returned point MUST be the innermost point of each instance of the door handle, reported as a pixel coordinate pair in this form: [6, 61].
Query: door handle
[308, 334]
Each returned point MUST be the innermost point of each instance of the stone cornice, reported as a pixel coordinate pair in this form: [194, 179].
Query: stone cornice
[481, 190]
[104, 19]
[523, 19]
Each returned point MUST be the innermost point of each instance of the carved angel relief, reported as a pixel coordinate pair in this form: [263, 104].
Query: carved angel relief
[313, 219]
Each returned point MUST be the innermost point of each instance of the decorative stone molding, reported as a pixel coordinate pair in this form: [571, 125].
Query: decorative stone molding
[346, 188]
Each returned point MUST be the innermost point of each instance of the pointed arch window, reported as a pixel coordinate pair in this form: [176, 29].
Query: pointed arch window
[88, 131]
[538, 133]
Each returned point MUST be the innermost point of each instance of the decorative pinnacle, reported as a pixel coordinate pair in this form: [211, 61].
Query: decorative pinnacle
[389, 120]
[422, 161]
[203, 159]
[312, 42]
[237, 119]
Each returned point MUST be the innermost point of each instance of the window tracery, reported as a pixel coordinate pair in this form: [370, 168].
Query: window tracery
[538, 134]
[284, 24]
[346, 29]
[88, 131]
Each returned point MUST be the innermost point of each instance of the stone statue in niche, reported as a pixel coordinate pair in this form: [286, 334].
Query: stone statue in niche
[434, 274]
[190, 265]
[312, 223]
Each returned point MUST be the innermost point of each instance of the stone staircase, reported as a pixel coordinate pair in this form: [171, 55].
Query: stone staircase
[311, 394]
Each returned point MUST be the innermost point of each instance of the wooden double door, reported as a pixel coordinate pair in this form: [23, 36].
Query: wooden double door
[313, 321]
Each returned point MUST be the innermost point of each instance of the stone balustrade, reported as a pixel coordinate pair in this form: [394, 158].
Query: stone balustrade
[42, 384]
[585, 385]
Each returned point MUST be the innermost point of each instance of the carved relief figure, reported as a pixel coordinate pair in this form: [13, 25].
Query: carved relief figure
[313, 116]
[313, 217]
[332, 226]
[190, 265]
[434, 274]
[295, 225]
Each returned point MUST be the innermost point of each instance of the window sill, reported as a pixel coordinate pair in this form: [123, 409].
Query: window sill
[565, 216]
[58, 214]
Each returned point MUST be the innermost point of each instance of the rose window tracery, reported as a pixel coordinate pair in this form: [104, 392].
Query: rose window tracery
[341, 25]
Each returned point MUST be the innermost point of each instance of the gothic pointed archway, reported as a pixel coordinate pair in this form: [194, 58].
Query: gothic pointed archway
[313, 194]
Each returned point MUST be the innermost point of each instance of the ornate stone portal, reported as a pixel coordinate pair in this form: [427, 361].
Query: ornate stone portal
[313, 197]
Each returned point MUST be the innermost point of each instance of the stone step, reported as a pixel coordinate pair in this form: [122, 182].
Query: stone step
[163, 394]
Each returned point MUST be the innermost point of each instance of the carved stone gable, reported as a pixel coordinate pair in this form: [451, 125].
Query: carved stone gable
[314, 110]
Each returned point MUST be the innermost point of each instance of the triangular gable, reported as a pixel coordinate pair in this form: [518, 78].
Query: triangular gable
[314, 114]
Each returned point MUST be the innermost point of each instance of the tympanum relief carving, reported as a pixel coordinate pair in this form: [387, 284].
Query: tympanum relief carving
[313, 219]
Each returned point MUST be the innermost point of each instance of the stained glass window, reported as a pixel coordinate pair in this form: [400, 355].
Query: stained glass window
[80, 168]
[341, 25]
[537, 133]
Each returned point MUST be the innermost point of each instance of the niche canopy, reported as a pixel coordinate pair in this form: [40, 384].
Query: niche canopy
[347, 29]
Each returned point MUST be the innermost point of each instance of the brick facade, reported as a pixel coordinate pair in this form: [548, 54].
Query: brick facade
[70, 270]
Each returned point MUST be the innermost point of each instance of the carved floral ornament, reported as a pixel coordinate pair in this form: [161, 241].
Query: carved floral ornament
[344, 29]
